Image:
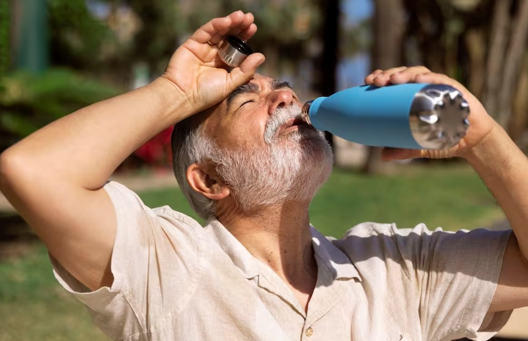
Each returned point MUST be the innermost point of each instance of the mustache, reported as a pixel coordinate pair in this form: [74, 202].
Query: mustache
[279, 118]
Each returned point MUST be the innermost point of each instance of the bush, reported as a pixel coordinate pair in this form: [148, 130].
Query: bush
[157, 151]
[29, 102]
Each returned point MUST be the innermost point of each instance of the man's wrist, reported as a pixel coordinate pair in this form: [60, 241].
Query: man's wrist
[174, 102]
[495, 150]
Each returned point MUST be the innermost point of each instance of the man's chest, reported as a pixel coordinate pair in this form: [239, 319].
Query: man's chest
[261, 308]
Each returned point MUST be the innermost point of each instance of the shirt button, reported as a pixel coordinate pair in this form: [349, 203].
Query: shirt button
[309, 331]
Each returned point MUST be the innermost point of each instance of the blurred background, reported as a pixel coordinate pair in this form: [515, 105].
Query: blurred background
[57, 56]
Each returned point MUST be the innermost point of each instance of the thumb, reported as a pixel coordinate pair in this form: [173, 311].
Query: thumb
[245, 71]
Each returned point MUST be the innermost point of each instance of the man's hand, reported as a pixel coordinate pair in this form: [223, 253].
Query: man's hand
[196, 70]
[500, 164]
[481, 123]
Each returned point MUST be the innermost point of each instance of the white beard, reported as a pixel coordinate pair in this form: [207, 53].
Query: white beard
[290, 168]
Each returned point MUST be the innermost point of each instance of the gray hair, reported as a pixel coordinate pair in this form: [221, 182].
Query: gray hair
[190, 145]
[263, 177]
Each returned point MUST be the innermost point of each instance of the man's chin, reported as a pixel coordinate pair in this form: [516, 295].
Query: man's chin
[315, 145]
[291, 169]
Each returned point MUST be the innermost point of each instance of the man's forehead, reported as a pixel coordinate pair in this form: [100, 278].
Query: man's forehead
[259, 79]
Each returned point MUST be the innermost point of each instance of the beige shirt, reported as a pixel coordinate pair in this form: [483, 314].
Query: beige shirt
[175, 280]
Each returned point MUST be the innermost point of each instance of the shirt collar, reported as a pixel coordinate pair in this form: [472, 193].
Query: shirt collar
[240, 256]
[335, 260]
[331, 256]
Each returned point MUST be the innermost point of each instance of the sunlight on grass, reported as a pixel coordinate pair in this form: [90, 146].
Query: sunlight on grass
[34, 307]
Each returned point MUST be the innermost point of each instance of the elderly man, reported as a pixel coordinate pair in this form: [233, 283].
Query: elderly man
[258, 270]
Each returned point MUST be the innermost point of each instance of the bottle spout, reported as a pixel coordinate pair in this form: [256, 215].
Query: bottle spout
[305, 112]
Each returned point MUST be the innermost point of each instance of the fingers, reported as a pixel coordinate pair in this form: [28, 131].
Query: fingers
[247, 33]
[209, 32]
[369, 79]
[408, 75]
[243, 31]
[235, 24]
[245, 71]
[395, 75]
[415, 74]
[436, 78]
[388, 154]
[383, 78]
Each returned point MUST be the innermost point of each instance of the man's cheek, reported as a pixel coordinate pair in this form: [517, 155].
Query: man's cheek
[254, 129]
[247, 139]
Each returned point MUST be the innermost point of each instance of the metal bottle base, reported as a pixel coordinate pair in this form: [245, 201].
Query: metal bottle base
[438, 117]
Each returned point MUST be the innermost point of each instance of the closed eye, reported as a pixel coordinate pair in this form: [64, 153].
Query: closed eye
[246, 102]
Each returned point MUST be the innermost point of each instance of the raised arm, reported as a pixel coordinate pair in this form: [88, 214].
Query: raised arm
[54, 178]
[501, 165]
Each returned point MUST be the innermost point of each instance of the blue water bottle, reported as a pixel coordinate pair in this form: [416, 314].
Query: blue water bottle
[412, 115]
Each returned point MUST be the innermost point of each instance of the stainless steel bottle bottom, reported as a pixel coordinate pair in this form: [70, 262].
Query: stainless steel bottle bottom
[438, 117]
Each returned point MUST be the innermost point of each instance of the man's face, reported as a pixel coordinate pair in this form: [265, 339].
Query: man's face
[239, 122]
[266, 153]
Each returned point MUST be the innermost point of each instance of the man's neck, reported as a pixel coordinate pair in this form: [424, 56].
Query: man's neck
[280, 237]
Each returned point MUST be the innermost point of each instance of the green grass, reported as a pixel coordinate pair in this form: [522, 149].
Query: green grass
[450, 197]
[34, 307]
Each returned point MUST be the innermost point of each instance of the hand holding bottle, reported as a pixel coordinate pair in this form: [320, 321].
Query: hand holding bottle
[481, 124]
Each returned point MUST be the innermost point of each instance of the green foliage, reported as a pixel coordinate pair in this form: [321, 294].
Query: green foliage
[28, 102]
[278, 21]
[81, 41]
[283, 26]
[155, 34]
[295, 20]
[5, 23]
[451, 197]
[76, 37]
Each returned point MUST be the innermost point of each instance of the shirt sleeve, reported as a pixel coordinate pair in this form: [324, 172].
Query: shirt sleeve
[156, 255]
[456, 274]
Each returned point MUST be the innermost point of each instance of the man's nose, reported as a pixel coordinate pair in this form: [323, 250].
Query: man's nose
[279, 99]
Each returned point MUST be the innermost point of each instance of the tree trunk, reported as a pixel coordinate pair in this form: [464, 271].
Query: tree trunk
[499, 38]
[388, 27]
[476, 48]
[388, 33]
[512, 64]
[426, 24]
[326, 66]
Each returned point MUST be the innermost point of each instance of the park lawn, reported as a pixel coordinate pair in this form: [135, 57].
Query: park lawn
[34, 307]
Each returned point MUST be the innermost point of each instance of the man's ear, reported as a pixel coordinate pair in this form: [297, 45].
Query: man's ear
[206, 181]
